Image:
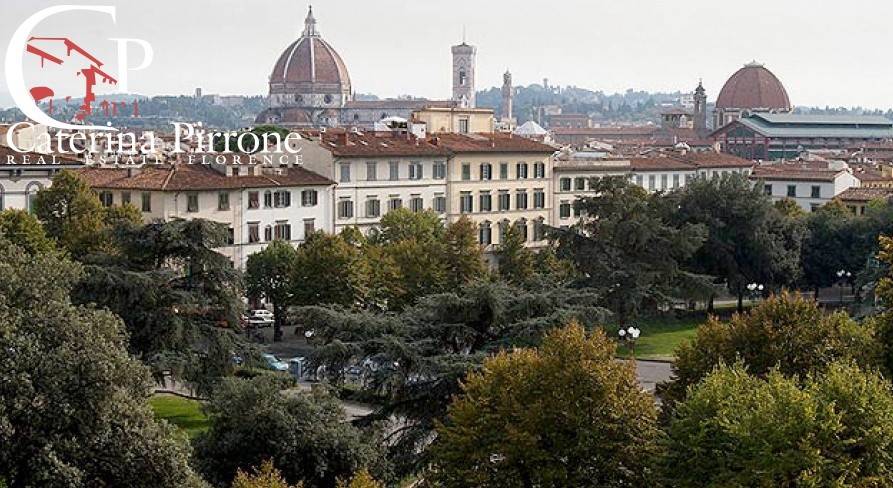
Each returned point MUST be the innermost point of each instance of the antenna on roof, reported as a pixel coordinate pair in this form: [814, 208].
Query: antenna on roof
[463, 33]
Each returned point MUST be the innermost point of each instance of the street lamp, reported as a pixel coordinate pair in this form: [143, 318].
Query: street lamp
[843, 276]
[629, 335]
[756, 290]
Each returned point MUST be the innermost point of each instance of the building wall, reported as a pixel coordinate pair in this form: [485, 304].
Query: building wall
[474, 186]
[778, 190]
[167, 205]
[18, 185]
[448, 120]
[563, 196]
[359, 189]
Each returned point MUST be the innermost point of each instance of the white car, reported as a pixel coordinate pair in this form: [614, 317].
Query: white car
[260, 318]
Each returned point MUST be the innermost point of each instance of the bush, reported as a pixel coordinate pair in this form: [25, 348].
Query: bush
[784, 332]
[737, 429]
[303, 434]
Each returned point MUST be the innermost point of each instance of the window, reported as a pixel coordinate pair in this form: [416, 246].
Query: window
[652, 182]
[253, 200]
[416, 204]
[814, 207]
[465, 202]
[564, 210]
[815, 191]
[521, 227]
[282, 198]
[579, 184]
[539, 198]
[395, 203]
[223, 201]
[309, 227]
[521, 171]
[663, 182]
[485, 234]
[486, 202]
[345, 173]
[792, 191]
[106, 198]
[676, 180]
[282, 230]
[439, 170]
[345, 209]
[268, 199]
[373, 207]
[192, 202]
[503, 171]
[416, 171]
[466, 171]
[230, 236]
[564, 184]
[521, 200]
[639, 181]
[539, 229]
[486, 171]
[125, 197]
[503, 227]
[539, 170]
[504, 198]
[309, 198]
[268, 233]
[767, 189]
[371, 171]
[253, 232]
[146, 198]
[439, 203]
[394, 170]
[463, 126]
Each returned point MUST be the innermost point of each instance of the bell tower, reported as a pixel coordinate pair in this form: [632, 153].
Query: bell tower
[463, 74]
[507, 96]
[699, 113]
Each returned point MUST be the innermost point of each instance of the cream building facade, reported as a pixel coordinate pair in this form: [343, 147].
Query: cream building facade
[257, 203]
[456, 119]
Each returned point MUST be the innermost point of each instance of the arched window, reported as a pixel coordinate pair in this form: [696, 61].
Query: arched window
[463, 78]
[356, 117]
[539, 229]
[1, 197]
[521, 226]
[31, 192]
[485, 235]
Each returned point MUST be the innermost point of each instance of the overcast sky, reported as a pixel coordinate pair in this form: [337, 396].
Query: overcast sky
[824, 52]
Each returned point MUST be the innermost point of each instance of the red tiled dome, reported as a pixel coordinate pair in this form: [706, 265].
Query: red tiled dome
[311, 60]
[753, 87]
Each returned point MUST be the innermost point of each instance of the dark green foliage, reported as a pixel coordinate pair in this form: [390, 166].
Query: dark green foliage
[627, 251]
[304, 434]
[24, 230]
[738, 430]
[179, 299]
[72, 401]
[423, 352]
[748, 240]
[268, 274]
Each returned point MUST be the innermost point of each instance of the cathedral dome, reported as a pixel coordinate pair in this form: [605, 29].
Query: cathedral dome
[753, 87]
[310, 65]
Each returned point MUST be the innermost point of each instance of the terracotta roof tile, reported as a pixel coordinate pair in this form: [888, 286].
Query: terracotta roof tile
[488, 143]
[865, 194]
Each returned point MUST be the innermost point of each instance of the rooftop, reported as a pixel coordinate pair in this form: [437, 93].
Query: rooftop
[489, 143]
[184, 177]
[865, 194]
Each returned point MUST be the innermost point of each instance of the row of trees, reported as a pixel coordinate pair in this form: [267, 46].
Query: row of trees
[642, 250]
[782, 396]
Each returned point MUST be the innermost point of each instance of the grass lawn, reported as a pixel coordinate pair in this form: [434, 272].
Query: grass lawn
[183, 413]
[660, 336]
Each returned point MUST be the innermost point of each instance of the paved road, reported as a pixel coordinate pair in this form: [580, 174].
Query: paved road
[650, 373]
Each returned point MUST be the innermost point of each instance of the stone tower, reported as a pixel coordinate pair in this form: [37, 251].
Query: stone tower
[699, 113]
[463, 74]
[507, 96]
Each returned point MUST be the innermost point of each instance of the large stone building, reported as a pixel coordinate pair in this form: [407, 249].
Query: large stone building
[310, 87]
[751, 89]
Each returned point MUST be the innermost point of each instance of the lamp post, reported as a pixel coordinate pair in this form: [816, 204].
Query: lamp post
[842, 276]
[629, 335]
[756, 290]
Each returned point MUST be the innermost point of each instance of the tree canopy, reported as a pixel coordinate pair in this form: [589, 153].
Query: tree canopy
[564, 414]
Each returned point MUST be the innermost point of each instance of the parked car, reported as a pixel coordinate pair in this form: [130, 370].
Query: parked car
[274, 363]
[260, 318]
